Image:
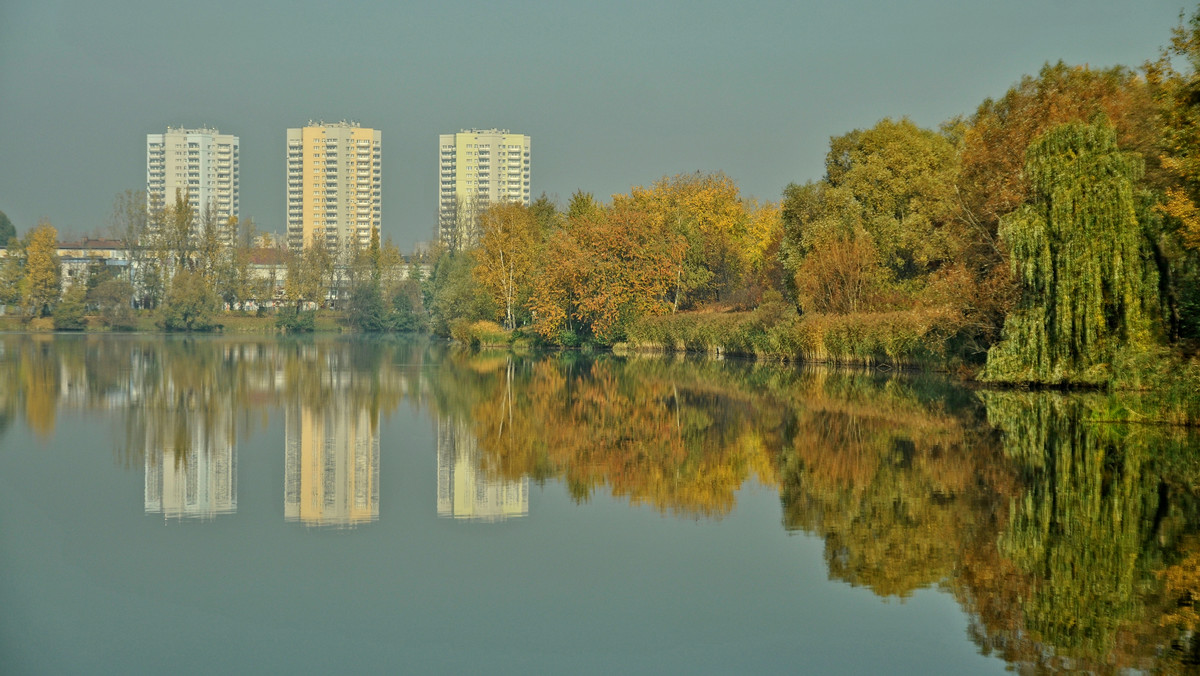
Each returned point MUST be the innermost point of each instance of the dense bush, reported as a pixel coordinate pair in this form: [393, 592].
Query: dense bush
[292, 319]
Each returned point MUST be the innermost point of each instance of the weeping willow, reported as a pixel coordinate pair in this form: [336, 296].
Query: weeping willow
[1079, 255]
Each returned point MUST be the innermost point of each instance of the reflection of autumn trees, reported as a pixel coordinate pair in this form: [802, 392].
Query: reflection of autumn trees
[1069, 543]
[654, 433]
[894, 476]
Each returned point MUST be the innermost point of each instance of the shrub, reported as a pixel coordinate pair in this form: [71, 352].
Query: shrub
[292, 319]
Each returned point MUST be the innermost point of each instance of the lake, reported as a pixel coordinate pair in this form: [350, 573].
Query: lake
[227, 504]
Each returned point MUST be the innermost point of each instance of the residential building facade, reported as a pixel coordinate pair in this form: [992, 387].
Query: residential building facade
[478, 167]
[333, 184]
[200, 164]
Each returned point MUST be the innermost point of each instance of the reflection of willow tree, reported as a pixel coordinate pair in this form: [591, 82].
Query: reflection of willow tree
[892, 475]
[655, 433]
[1098, 521]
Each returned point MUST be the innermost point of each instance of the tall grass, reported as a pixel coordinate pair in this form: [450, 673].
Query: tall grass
[900, 338]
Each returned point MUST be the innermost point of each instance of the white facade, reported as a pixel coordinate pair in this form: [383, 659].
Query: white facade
[202, 164]
[334, 181]
[478, 167]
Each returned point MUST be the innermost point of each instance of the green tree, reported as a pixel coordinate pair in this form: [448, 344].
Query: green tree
[453, 295]
[42, 283]
[113, 298]
[365, 310]
[1088, 290]
[12, 274]
[69, 314]
[190, 303]
[7, 229]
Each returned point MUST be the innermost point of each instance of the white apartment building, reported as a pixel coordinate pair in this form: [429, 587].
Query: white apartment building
[333, 184]
[478, 167]
[201, 164]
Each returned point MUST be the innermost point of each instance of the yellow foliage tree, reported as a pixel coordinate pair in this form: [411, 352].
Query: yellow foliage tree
[42, 284]
[506, 253]
[707, 211]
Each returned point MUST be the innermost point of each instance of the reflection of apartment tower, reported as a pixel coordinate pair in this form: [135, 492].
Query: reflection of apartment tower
[333, 184]
[331, 472]
[191, 465]
[464, 491]
[478, 167]
[201, 164]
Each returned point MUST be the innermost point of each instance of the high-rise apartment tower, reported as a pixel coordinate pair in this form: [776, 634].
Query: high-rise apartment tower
[200, 164]
[478, 167]
[333, 184]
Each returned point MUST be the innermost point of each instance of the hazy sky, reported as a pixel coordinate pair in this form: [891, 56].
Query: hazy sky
[613, 94]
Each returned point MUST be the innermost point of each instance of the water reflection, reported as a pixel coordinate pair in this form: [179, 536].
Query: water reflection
[1100, 540]
[465, 491]
[191, 467]
[331, 474]
[1070, 543]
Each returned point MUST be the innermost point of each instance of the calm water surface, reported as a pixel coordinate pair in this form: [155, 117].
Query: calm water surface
[199, 505]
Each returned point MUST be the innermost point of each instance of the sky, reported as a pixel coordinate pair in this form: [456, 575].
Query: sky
[612, 94]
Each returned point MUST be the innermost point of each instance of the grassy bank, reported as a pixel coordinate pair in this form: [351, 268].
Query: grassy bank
[146, 322]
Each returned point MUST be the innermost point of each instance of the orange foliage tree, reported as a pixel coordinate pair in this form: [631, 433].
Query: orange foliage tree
[602, 269]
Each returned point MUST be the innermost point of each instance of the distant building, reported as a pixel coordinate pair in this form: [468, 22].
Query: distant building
[478, 167]
[201, 164]
[81, 258]
[333, 184]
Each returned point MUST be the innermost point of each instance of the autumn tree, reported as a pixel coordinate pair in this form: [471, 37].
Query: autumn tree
[309, 273]
[1088, 292]
[42, 284]
[1176, 94]
[175, 228]
[877, 231]
[706, 210]
[995, 138]
[505, 256]
[130, 223]
[603, 270]
[233, 278]
[763, 248]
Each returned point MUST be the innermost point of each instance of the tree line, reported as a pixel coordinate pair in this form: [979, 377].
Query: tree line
[1052, 236]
